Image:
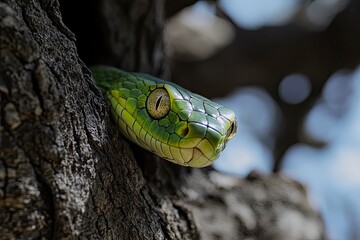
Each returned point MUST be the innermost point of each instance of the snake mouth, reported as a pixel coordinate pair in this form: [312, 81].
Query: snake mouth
[199, 159]
[197, 153]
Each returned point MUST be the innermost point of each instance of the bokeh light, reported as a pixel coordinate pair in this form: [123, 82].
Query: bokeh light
[257, 13]
[294, 88]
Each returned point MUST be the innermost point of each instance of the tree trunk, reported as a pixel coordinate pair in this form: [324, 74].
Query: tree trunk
[65, 170]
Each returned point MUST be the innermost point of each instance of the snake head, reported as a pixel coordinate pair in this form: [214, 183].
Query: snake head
[166, 119]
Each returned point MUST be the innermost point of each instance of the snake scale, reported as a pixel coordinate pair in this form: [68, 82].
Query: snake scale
[166, 119]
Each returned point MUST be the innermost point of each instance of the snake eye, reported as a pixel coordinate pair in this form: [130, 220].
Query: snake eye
[232, 131]
[158, 103]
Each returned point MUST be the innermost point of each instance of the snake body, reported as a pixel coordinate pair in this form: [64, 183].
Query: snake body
[166, 119]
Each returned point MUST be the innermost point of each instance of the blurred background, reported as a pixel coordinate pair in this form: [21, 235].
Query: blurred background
[290, 69]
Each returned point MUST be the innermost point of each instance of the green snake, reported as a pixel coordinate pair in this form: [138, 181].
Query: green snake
[166, 119]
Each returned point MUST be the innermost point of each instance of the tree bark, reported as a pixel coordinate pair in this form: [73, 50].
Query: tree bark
[65, 170]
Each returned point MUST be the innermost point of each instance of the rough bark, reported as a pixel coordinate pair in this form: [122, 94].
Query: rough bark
[65, 170]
